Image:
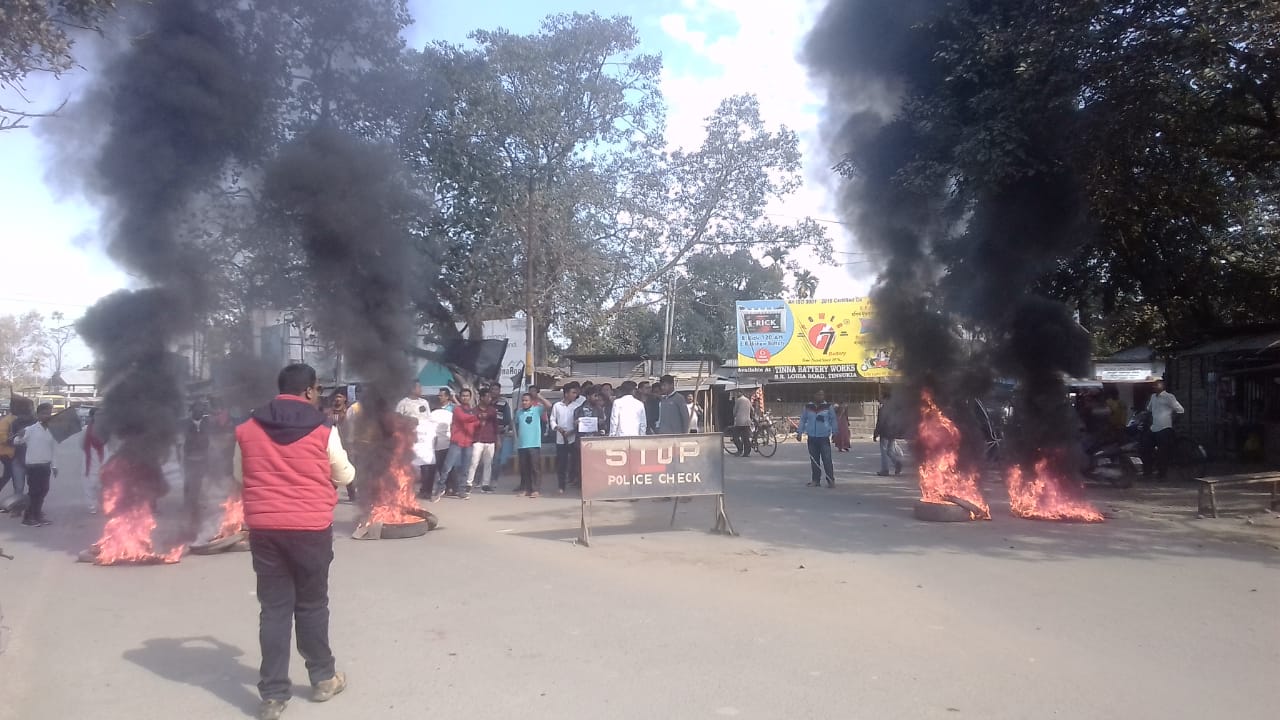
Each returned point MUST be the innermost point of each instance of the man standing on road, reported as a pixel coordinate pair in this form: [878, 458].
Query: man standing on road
[742, 412]
[195, 457]
[628, 415]
[818, 421]
[1163, 406]
[416, 407]
[886, 433]
[7, 450]
[529, 441]
[290, 460]
[564, 425]
[673, 409]
[462, 432]
[485, 442]
[648, 394]
[39, 446]
[24, 416]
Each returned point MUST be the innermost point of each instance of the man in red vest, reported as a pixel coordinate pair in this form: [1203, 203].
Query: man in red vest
[290, 461]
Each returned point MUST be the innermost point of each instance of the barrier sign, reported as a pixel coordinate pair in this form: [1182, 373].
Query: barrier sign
[653, 466]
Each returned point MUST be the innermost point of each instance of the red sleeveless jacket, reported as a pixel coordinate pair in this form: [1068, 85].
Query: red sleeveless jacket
[284, 451]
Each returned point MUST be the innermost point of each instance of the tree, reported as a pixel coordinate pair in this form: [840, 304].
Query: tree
[22, 351]
[806, 284]
[57, 338]
[36, 36]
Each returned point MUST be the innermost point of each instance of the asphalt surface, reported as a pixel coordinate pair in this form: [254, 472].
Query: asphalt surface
[833, 603]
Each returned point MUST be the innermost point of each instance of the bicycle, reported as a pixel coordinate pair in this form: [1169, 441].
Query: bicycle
[763, 440]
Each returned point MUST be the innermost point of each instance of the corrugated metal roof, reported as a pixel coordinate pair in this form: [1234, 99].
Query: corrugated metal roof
[1252, 343]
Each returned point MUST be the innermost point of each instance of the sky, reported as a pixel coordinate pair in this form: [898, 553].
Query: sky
[711, 49]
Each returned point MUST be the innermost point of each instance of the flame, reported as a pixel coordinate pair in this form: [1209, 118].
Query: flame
[126, 537]
[941, 478]
[393, 499]
[232, 516]
[1043, 496]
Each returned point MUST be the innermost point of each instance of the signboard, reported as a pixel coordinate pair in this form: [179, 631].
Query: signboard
[1127, 372]
[821, 333]
[801, 373]
[653, 466]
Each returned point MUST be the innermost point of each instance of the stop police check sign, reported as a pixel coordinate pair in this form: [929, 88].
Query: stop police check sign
[653, 466]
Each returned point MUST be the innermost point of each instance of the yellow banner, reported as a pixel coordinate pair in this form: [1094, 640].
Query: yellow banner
[819, 333]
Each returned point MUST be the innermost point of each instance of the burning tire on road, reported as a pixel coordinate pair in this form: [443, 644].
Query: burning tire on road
[237, 542]
[941, 512]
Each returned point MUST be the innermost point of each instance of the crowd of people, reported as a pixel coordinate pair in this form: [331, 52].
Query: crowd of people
[465, 441]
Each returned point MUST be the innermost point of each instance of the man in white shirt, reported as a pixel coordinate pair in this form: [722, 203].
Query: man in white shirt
[1163, 406]
[564, 425]
[628, 417]
[40, 445]
[416, 407]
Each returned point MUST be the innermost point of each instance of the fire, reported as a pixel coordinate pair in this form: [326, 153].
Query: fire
[941, 478]
[232, 516]
[392, 500]
[126, 537]
[1042, 496]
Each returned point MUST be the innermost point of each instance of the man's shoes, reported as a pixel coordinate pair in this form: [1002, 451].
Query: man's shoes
[272, 709]
[882, 473]
[326, 689]
[486, 488]
[814, 484]
[897, 469]
[44, 521]
[831, 483]
[30, 522]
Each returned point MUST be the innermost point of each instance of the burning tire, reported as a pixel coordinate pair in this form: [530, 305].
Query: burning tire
[941, 512]
[398, 531]
[232, 543]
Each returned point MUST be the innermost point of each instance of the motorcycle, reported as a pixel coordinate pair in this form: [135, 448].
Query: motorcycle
[1117, 462]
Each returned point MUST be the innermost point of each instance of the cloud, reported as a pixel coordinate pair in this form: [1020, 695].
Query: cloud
[729, 47]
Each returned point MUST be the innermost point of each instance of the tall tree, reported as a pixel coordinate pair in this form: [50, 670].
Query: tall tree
[22, 351]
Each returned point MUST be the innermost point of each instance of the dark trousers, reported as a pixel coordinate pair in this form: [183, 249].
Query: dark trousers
[293, 586]
[741, 439]
[37, 489]
[568, 464]
[1157, 447]
[820, 460]
[428, 475]
[6, 473]
[531, 470]
[439, 481]
[193, 470]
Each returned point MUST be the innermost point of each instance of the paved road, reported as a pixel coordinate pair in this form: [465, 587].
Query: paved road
[832, 604]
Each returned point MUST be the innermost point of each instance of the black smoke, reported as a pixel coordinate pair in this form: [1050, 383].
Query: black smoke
[351, 203]
[956, 295]
[169, 113]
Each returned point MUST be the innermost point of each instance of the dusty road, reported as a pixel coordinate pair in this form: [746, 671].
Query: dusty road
[832, 604]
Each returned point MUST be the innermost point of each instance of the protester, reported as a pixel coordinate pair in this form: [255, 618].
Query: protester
[416, 407]
[24, 416]
[289, 459]
[7, 450]
[818, 421]
[528, 422]
[673, 409]
[340, 417]
[441, 421]
[590, 418]
[505, 449]
[628, 418]
[1162, 406]
[743, 412]
[608, 395]
[39, 445]
[886, 433]
[564, 425]
[649, 395]
[484, 443]
[95, 454]
[461, 437]
[195, 457]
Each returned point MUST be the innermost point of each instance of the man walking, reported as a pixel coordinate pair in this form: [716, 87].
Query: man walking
[886, 433]
[673, 409]
[24, 416]
[1163, 406]
[742, 412]
[817, 421]
[39, 445]
[290, 460]
[195, 457]
[628, 415]
[564, 425]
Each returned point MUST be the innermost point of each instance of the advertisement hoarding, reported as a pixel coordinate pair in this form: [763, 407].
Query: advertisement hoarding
[791, 336]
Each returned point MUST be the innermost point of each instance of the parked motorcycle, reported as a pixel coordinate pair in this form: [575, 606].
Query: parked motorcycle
[1117, 463]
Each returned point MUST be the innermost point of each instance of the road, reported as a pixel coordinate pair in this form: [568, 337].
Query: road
[833, 603]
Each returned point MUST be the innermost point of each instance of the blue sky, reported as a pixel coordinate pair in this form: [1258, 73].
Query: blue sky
[711, 49]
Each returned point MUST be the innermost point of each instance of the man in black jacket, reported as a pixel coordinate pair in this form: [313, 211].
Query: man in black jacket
[886, 433]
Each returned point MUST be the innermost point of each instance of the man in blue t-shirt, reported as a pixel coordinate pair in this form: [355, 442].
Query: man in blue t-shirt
[528, 422]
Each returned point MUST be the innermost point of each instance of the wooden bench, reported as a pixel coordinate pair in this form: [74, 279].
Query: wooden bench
[1209, 486]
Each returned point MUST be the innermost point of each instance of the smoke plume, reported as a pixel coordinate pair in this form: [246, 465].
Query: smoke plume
[350, 201]
[169, 112]
[955, 295]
